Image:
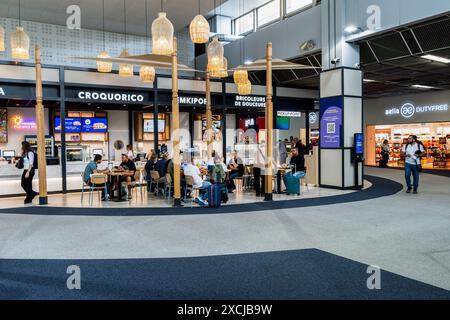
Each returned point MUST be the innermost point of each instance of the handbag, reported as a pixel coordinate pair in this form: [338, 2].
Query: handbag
[19, 164]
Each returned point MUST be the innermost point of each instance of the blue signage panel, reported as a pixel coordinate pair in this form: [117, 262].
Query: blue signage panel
[331, 122]
[359, 143]
[95, 125]
[73, 125]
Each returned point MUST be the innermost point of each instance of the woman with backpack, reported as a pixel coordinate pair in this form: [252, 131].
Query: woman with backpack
[29, 160]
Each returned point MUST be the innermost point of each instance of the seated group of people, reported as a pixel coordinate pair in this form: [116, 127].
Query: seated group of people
[127, 165]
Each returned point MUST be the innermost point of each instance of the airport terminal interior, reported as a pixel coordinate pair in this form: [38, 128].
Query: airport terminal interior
[224, 150]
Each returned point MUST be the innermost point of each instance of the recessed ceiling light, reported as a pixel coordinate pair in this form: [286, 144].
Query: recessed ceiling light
[369, 80]
[248, 62]
[436, 58]
[420, 86]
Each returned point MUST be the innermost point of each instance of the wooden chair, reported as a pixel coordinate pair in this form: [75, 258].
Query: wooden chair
[139, 181]
[168, 187]
[190, 187]
[154, 180]
[98, 182]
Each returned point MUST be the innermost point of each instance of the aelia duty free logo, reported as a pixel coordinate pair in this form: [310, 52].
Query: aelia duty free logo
[408, 110]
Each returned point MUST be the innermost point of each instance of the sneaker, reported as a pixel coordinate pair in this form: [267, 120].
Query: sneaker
[200, 201]
[130, 197]
[415, 191]
[409, 190]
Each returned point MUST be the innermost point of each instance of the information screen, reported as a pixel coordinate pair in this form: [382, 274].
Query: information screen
[149, 126]
[73, 125]
[359, 143]
[283, 123]
[95, 125]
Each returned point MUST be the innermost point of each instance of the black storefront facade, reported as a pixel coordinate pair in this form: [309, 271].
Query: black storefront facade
[63, 99]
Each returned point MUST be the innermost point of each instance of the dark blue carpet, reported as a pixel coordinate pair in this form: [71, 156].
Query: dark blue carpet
[380, 188]
[301, 274]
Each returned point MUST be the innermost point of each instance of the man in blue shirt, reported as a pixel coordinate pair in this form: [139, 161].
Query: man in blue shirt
[92, 168]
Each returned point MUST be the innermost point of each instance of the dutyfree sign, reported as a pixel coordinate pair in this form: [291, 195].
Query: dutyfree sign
[408, 110]
[2, 92]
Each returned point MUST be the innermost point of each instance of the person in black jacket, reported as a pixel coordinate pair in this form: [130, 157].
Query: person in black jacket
[297, 164]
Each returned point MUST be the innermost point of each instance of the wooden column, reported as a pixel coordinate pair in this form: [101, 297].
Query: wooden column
[176, 127]
[40, 124]
[269, 124]
[209, 132]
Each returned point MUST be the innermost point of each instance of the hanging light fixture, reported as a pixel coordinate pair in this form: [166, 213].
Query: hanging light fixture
[240, 76]
[162, 34]
[103, 66]
[245, 89]
[147, 73]
[2, 39]
[20, 42]
[222, 73]
[199, 28]
[215, 56]
[125, 69]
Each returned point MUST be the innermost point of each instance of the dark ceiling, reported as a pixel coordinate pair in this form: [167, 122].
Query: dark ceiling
[393, 60]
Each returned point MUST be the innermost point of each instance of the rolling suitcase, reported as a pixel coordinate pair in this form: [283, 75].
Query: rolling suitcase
[215, 195]
[292, 185]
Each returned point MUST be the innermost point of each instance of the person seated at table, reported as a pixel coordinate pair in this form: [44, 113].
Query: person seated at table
[161, 165]
[92, 168]
[128, 177]
[297, 164]
[236, 170]
[194, 172]
[150, 166]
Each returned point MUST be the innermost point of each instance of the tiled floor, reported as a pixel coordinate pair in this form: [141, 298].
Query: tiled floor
[149, 200]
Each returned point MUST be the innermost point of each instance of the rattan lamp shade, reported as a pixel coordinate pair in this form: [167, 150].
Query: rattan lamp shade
[162, 35]
[2, 39]
[103, 66]
[240, 76]
[245, 89]
[222, 73]
[20, 45]
[125, 70]
[199, 29]
[215, 56]
[147, 74]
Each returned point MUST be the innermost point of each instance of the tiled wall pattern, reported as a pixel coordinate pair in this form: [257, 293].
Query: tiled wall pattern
[62, 46]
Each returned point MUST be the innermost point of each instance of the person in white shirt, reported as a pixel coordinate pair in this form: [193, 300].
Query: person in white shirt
[28, 172]
[130, 153]
[194, 172]
[413, 152]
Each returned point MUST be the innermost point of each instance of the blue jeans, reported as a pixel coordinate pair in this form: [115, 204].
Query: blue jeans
[298, 174]
[414, 170]
[235, 175]
[203, 189]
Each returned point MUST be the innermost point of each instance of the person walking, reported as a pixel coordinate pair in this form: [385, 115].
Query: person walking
[29, 158]
[413, 152]
[384, 154]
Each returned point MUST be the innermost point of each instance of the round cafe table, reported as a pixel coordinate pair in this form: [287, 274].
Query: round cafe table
[115, 177]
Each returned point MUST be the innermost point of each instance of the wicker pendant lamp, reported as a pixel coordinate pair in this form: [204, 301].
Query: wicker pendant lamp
[125, 70]
[215, 56]
[20, 42]
[240, 76]
[199, 28]
[103, 66]
[147, 73]
[2, 39]
[222, 73]
[162, 34]
[245, 89]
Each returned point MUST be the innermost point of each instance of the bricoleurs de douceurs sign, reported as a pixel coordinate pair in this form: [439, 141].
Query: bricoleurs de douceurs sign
[250, 102]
